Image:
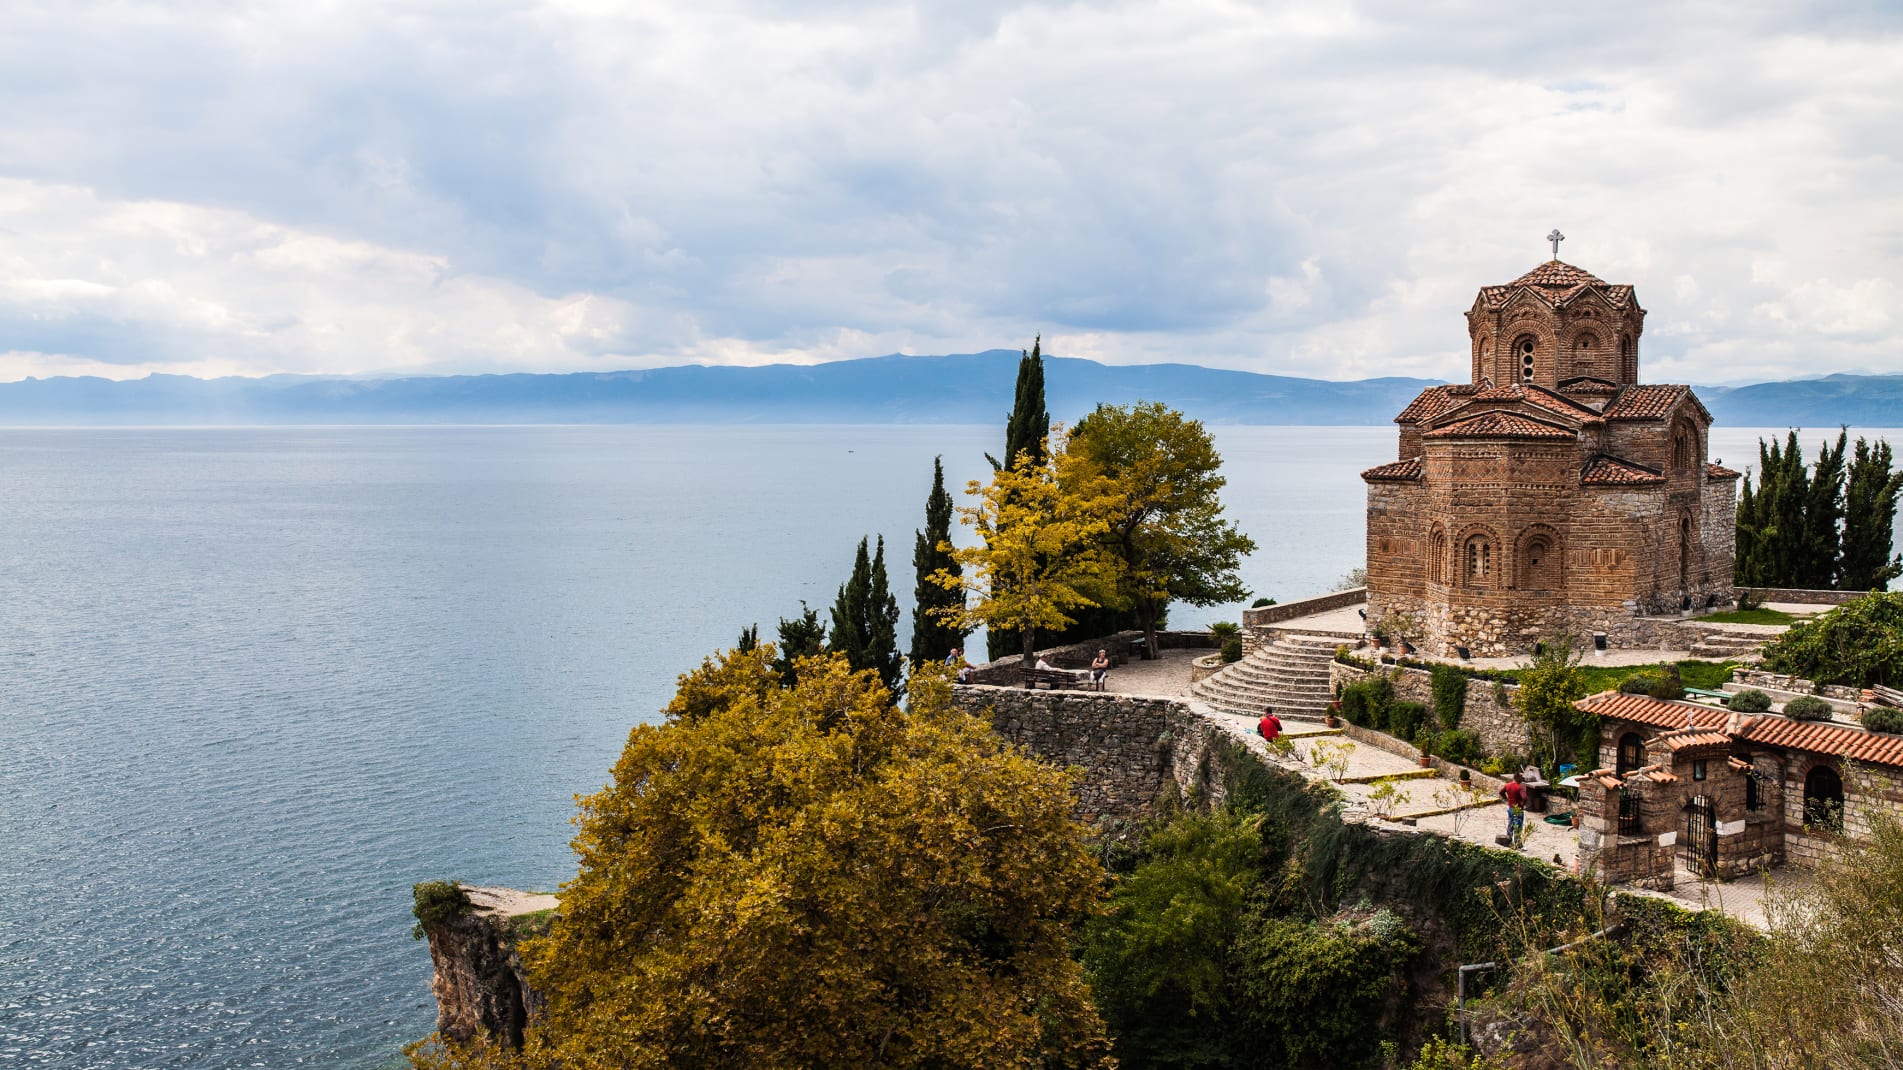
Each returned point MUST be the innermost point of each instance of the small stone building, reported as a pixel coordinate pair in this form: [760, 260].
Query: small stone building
[1724, 794]
[1554, 493]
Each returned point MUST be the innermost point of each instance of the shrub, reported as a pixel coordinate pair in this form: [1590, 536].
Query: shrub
[1225, 629]
[1750, 700]
[1883, 719]
[1231, 650]
[1365, 702]
[1460, 746]
[1808, 708]
[1859, 643]
[1450, 694]
[1406, 718]
[437, 903]
[1668, 687]
[1260, 602]
[1639, 683]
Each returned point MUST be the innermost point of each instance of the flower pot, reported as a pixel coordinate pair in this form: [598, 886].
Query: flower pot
[1466, 776]
[1427, 761]
[1332, 721]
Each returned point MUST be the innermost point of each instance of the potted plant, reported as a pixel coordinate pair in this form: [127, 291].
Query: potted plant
[1380, 637]
[1332, 718]
[1466, 775]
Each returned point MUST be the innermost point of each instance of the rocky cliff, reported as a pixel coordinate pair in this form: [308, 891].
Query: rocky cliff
[480, 985]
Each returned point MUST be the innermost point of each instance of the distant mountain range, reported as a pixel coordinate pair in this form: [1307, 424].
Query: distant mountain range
[965, 388]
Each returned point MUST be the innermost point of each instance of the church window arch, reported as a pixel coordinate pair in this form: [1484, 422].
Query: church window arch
[1477, 561]
[1437, 556]
[1586, 355]
[1684, 449]
[1524, 351]
[1628, 366]
[1538, 560]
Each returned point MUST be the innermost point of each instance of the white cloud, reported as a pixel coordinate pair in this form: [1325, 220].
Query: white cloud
[1309, 189]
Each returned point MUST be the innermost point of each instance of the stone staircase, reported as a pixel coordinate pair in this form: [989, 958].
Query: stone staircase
[1290, 674]
[1730, 644]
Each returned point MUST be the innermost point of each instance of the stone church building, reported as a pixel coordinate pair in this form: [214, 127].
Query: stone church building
[1554, 493]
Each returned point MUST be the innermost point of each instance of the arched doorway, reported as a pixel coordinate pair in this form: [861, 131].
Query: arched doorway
[1823, 799]
[1631, 753]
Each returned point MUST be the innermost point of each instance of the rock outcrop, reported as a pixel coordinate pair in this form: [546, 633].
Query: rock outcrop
[480, 985]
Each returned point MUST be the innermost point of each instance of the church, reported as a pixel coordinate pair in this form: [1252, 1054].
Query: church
[1554, 493]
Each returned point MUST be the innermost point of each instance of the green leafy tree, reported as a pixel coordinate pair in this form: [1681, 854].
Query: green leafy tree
[1548, 689]
[1772, 535]
[1026, 432]
[801, 637]
[935, 629]
[1042, 552]
[813, 876]
[1168, 531]
[1871, 490]
[866, 618]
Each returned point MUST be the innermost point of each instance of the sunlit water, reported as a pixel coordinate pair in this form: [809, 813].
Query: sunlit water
[254, 683]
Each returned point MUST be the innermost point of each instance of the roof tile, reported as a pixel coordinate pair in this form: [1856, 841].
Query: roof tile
[1500, 425]
[1720, 472]
[1557, 282]
[1395, 471]
[1819, 737]
[1605, 471]
[1646, 710]
[1648, 402]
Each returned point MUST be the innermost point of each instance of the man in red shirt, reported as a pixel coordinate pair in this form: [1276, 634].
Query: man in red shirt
[1270, 726]
[1514, 792]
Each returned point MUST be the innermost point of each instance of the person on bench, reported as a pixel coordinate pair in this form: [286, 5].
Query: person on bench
[1100, 668]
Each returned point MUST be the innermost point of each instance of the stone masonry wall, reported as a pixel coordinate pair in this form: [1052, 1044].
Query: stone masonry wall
[1500, 727]
[1133, 748]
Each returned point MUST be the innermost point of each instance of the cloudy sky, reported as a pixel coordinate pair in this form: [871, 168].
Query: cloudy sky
[1312, 189]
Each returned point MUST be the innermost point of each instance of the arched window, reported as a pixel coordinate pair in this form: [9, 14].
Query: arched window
[1539, 563]
[1524, 349]
[1823, 799]
[1684, 450]
[1631, 753]
[1586, 356]
[1437, 557]
[1478, 561]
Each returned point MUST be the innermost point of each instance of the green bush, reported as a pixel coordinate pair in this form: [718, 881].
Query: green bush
[1808, 708]
[1639, 683]
[1260, 602]
[1859, 643]
[1225, 629]
[1365, 702]
[1460, 746]
[1231, 650]
[1450, 694]
[437, 903]
[1314, 994]
[1669, 685]
[1883, 719]
[1405, 719]
[1750, 700]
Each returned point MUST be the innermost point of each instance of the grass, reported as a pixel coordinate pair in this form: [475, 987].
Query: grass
[1706, 675]
[1751, 616]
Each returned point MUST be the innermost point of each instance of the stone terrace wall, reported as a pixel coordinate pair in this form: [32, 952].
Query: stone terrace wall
[1121, 645]
[1780, 682]
[1133, 748]
[1267, 615]
[1798, 596]
[1500, 727]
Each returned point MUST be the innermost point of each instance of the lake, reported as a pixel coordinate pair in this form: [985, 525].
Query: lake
[254, 683]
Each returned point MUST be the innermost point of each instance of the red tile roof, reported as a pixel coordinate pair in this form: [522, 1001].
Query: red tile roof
[1537, 395]
[1649, 402]
[1719, 471]
[1500, 425]
[1691, 738]
[1403, 470]
[1605, 471]
[1657, 774]
[1646, 710]
[1557, 283]
[1432, 402]
[1819, 737]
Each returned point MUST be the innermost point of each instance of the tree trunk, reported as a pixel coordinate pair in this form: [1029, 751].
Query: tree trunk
[1149, 631]
[1030, 643]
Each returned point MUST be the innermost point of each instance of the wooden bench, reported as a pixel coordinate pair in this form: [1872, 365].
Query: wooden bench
[1703, 693]
[1888, 696]
[1060, 680]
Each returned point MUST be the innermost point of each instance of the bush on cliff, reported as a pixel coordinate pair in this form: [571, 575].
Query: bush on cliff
[1859, 643]
[809, 875]
[436, 904]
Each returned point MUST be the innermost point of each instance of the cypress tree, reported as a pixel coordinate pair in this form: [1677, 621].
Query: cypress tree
[1870, 499]
[1785, 483]
[934, 635]
[800, 637]
[1816, 558]
[1026, 432]
[749, 638]
[866, 618]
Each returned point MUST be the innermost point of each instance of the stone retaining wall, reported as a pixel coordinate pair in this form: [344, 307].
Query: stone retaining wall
[1798, 595]
[1500, 727]
[1267, 615]
[1781, 682]
[1132, 748]
[1121, 645]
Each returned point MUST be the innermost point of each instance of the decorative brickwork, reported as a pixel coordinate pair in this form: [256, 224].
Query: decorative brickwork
[1554, 494]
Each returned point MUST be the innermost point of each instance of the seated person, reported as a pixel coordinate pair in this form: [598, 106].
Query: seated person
[1100, 667]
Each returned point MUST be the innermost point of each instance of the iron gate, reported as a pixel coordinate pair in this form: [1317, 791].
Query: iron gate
[1701, 836]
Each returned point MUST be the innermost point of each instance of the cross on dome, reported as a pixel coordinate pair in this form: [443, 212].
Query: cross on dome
[1556, 237]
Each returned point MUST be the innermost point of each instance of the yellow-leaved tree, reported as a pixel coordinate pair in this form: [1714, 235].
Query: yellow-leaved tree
[814, 876]
[1043, 552]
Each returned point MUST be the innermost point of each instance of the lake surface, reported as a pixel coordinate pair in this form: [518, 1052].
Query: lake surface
[254, 683]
